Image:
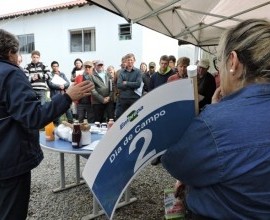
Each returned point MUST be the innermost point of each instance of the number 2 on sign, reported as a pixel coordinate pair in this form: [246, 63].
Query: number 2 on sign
[147, 135]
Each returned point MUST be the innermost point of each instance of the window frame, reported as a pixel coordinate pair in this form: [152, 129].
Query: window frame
[125, 31]
[28, 43]
[81, 35]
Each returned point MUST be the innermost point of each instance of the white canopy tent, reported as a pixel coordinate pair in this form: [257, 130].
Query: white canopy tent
[199, 22]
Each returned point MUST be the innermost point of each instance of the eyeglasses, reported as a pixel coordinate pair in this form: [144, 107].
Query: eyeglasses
[54, 66]
[87, 67]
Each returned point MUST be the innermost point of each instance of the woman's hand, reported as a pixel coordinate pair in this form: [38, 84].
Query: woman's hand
[217, 96]
[80, 90]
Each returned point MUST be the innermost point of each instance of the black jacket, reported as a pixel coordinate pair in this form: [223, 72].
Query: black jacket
[21, 117]
[206, 88]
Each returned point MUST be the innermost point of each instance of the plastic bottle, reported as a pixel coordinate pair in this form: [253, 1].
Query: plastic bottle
[76, 134]
[49, 131]
[110, 123]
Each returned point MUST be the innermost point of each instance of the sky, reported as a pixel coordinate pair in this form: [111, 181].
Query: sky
[10, 6]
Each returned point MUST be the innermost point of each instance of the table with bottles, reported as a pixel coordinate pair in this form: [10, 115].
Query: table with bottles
[63, 147]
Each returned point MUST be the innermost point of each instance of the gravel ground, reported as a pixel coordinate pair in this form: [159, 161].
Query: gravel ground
[75, 203]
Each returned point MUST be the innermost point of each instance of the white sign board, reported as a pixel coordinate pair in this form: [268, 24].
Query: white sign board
[150, 126]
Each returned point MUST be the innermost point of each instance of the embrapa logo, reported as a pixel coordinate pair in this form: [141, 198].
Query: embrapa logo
[131, 117]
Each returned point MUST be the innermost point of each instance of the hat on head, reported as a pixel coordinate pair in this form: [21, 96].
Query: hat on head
[99, 62]
[152, 64]
[204, 63]
[88, 63]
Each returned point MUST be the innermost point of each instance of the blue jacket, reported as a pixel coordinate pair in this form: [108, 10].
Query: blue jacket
[21, 117]
[224, 157]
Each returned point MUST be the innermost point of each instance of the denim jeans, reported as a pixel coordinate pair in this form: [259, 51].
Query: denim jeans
[41, 95]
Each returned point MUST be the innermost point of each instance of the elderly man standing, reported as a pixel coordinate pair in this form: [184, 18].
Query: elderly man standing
[102, 95]
[206, 83]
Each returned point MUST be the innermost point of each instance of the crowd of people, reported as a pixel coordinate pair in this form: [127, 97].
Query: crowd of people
[223, 158]
[115, 91]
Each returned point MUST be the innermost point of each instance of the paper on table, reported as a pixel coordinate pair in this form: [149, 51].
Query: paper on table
[58, 80]
[90, 146]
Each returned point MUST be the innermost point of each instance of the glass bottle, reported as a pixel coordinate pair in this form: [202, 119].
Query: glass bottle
[49, 132]
[76, 134]
[110, 123]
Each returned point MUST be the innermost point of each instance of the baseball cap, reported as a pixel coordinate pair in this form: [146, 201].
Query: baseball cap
[99, 62]
[204, 63]
[152, 64]
[88, 63]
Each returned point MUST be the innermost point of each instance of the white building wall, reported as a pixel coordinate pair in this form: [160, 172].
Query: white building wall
[51, 32]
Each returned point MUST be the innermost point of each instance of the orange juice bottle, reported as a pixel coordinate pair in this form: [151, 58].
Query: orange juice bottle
[49, 131]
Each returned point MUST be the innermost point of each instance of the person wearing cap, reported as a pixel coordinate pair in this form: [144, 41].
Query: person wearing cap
[182, 64]
[84, 106]
[102, 95]
[147, 76]
[206, 83]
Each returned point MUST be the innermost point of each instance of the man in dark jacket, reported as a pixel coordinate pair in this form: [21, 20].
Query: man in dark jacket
[206, 83]
[21, 117]
[161, 76]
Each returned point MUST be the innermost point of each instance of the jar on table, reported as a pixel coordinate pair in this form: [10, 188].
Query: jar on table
[110, 123]
[76, 134]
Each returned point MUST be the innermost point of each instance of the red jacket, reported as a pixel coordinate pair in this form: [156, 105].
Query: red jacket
[79, 79]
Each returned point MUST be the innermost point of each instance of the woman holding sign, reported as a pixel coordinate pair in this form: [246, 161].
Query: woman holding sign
[224, 156]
